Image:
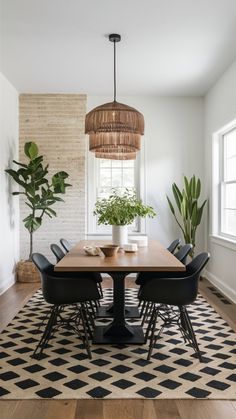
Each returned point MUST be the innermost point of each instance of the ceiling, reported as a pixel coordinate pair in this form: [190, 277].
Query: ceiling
[169, 47]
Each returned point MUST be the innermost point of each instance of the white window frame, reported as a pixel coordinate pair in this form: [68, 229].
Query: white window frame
[140, 180]
[218, 182]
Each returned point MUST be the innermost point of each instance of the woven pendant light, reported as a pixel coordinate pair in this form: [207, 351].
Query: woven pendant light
[114, 128]
[116, 153]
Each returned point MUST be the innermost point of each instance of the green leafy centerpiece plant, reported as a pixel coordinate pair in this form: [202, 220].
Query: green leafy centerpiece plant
[120, 210]
[190, 211]
[40, 194]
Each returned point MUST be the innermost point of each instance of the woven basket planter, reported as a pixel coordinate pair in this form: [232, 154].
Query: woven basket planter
[27, 272]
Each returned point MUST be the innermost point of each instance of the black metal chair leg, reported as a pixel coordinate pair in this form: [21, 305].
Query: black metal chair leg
[153, 338]
[191, 333]
[47, 333]
[150, 323]
[83, 318]
[144, 303]
[91, 320]
[146, 313]
[87, 317]
[100, 289]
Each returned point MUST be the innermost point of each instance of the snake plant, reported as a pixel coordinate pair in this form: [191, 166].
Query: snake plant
[190, 211]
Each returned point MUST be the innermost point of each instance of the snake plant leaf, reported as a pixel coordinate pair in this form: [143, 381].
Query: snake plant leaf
[170, 205]
[187, 186]
[31, 150]
[193, 186]
[200, 212]
[198, 188]
[177, 195]
[187, 204]
[195, 214]
[183, 207]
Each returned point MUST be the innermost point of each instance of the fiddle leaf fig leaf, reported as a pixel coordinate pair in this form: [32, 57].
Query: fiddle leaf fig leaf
[39, 191]
[31, 150]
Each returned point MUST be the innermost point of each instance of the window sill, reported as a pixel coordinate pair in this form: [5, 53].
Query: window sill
[223, 241]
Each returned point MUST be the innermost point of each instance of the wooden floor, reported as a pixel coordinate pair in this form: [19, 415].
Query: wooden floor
[10, 303]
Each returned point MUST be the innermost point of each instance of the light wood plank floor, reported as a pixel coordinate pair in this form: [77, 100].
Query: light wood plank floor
[11, 302]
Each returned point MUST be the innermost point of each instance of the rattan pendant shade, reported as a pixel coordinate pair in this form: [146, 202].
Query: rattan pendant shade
[114, 128]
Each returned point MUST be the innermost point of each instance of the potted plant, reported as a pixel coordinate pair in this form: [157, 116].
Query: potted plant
[40, 194]
[189, 209]
[120, 210]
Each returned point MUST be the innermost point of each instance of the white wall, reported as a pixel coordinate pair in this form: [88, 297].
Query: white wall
[173, 147]
[9, 205]
[220, 109]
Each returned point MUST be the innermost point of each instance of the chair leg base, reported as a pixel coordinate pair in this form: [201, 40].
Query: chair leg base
[80, 317]
[169, 316]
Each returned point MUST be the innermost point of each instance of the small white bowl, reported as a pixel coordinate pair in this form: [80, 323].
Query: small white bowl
[130, 247]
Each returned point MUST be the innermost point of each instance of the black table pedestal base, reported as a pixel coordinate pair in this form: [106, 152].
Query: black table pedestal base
[118, 331]
[101, 337]
[131, 312]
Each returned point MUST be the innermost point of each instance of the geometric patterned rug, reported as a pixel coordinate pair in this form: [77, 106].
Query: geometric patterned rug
[118, 371]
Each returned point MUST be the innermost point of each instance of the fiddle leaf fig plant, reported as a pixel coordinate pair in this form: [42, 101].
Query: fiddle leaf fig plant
[190, 211]
[40, 192]
[121, 208]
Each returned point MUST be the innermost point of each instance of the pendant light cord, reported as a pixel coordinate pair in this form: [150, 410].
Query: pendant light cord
[114, 71]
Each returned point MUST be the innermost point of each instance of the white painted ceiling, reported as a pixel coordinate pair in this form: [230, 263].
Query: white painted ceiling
[169, 47]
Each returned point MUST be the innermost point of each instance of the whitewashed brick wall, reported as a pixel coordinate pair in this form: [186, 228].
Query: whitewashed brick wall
[56, 123]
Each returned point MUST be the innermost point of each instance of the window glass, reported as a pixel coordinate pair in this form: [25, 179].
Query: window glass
[230, 155]
[227, 197]
[116, 174]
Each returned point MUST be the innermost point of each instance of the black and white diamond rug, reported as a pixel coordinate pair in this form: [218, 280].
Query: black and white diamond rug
[118, 372]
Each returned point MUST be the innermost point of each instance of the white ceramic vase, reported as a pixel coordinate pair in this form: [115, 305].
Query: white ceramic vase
[120, 235]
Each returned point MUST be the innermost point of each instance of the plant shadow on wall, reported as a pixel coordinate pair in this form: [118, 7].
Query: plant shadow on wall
[9, 186]
[190, 211]
[40, 192]
[119, 210]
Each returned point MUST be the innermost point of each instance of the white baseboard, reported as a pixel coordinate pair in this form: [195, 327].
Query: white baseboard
[227, 291]
[7, 286]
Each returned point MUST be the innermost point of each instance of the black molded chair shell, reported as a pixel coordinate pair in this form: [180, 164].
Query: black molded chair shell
[59, 254]
[59, 289]
[57, 251]
[143, 277]
[183, 252]
[175, 291]
[174, 245]
[66, 245]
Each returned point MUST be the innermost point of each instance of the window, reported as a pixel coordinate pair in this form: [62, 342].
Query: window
[228, 184]
[105, 175]
[115, 174]
[224, 182]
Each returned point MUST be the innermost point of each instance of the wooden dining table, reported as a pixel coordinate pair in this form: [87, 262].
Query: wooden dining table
[152, 258]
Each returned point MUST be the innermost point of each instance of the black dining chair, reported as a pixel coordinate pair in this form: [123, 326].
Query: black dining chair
[174, 245]
[181, 255]
[66, 245]
[59, 254]
[57, 251]
[169, 298]
[60, 292]
[183, 252]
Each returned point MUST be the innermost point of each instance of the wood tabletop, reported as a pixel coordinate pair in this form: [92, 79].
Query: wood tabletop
[154, 257]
